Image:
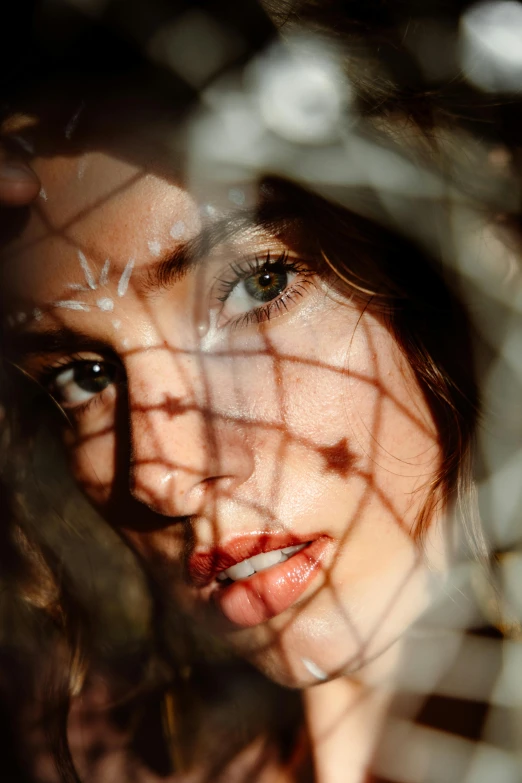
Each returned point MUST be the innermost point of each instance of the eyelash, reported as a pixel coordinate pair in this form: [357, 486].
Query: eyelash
[251, 267]
[48, 374]
[83, 407]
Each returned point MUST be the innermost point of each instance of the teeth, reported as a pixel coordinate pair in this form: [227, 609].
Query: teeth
[267, 559]
[240, 570]
[290, 550]
[259, 562]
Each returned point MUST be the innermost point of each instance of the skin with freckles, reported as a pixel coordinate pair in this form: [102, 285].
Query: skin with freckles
[200, 411]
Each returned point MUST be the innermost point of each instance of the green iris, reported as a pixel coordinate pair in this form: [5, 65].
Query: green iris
[266, 284]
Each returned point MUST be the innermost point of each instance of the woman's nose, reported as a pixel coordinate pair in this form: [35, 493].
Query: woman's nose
[186, 452]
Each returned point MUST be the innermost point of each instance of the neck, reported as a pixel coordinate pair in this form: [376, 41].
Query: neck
[344, 719]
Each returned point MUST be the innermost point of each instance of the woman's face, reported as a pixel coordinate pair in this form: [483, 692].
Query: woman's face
[224, 407]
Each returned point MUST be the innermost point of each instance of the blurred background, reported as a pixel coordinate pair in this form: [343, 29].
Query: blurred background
[402, 112]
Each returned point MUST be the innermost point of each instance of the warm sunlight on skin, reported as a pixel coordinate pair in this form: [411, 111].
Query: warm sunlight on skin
[210, 426]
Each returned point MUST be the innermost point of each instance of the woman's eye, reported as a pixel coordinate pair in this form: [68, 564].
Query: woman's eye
[261, 289]
[258, 288]
[80, 382]
[266, 284]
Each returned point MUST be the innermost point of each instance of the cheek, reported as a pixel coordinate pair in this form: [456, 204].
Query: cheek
[287, 375]
[338, 377]
[389, 416]
[93, 460]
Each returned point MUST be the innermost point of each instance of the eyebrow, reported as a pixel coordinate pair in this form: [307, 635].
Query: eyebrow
[175, 264]
[171, 267]
[58, 340]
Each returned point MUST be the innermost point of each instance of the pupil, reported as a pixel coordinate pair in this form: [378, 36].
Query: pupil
[267, 284]
[92, 377]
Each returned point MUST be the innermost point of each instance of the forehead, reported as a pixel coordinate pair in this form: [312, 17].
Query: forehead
[102, 207]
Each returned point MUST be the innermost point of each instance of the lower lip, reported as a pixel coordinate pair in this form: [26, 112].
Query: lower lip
[266, 594]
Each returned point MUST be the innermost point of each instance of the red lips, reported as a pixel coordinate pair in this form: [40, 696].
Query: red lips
[205, 565]
[265, 594]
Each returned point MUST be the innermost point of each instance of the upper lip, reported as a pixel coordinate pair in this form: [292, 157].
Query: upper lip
[205, 564]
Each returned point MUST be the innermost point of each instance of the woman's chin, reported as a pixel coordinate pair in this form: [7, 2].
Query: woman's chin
[309, 665]
[304, 670]
[322, 647]
[296, 662]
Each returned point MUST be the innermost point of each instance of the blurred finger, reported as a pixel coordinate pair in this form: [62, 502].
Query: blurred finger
[19, 185]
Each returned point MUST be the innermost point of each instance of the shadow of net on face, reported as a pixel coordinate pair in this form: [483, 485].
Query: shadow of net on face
[207, 443]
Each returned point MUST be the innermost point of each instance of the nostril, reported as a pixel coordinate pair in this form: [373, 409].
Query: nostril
[210, 488]
[175, 492]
